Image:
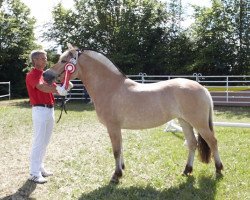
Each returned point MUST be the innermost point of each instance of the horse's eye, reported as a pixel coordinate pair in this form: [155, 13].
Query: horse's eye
[63, 61]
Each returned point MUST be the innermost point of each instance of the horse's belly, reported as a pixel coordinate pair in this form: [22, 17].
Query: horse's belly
[144, 119]
[146, 109]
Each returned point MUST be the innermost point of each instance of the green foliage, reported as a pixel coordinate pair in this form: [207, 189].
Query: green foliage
[146, 36]
[221, 35]
[16, 40]
[138, 36]
[241, 19]
[132, 33]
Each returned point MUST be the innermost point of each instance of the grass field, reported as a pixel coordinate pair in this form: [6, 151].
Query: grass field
[230, 89]
[81, 158]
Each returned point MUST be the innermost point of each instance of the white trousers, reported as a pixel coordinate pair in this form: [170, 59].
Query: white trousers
[43, 123]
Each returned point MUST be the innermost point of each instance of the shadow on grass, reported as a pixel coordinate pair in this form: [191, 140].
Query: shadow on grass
[205, 188]
[24, 192]
[178, 135]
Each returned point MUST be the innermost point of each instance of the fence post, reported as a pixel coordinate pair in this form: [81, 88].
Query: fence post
[142, 77]
[197, 75]
[227, 89]
[9, 90]
[6, 95]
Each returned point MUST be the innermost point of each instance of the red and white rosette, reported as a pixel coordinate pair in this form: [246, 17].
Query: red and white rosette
[69, 69]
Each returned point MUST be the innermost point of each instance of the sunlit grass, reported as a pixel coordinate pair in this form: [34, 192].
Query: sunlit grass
[81, 157]
[230, 89]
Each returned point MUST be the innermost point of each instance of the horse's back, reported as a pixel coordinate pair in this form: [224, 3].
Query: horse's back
[138, 105]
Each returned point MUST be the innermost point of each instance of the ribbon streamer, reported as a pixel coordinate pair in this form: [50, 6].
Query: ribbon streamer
[69, 69]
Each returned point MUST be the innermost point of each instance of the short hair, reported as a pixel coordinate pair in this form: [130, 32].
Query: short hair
[35, 53]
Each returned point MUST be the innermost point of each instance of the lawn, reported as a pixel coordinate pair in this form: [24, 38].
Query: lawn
[81, 157]
[230, 89]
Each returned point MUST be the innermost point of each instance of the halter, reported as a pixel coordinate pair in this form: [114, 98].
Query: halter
[69, 69]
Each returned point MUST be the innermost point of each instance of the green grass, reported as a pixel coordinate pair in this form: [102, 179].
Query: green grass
[230, 89]
[81, 157]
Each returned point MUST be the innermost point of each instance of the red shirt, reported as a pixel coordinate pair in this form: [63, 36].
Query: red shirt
[36, 96]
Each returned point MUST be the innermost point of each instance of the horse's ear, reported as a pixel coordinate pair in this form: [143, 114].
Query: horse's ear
[70, 46]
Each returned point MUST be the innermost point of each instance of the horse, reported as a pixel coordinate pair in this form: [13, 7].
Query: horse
[122, 103]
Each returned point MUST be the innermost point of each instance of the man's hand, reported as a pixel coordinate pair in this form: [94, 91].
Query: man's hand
[61, 90]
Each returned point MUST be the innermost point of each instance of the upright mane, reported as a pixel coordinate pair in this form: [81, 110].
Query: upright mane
[97, 56]
[104, 60]
[65, 54]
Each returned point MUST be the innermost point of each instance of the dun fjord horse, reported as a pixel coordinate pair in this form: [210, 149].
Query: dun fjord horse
[122, 103]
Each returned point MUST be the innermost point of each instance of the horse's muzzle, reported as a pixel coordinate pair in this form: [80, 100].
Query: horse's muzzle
[49, 76]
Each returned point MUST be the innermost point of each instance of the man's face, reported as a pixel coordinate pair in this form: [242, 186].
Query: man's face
[41, 61]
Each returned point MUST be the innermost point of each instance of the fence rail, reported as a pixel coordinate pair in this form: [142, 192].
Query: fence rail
[225, 90]
[4, 90]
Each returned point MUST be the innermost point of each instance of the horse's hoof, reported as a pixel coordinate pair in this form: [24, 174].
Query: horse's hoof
[188, 171]
[218, 175]
[114, 180]
[219, 167]
[186, 174]
[218, 172]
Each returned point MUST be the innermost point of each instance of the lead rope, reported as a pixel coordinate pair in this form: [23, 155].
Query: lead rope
[63, 107]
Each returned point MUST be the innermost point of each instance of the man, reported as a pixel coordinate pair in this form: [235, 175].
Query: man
[42, 102]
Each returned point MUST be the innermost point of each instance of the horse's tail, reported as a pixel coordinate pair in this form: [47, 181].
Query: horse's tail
[204, 150]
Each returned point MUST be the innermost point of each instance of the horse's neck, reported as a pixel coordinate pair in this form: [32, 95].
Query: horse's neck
[99, 75]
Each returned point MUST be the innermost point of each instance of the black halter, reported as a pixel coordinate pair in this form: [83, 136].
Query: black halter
[73, 61]
[64, 100]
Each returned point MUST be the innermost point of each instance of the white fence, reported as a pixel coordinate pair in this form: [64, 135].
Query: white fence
[8, 85]
[225, 90]
[172, 126]
[78, 91]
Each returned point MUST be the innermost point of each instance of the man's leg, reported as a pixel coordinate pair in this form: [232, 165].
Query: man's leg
[49, 129]
[39, 124]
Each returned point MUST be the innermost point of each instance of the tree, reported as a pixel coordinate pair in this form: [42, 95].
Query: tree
[178, 46]
[16, 40]
[221, 39]
[242, 35]
[126, 31]
[139, 36]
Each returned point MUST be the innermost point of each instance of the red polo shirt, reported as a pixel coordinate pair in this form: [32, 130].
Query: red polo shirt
[36, 96]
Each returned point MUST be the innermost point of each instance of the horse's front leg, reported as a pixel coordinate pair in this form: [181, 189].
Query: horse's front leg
[116, 140]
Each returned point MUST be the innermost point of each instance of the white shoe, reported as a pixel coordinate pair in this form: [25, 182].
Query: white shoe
[37, 179]
[46, 173]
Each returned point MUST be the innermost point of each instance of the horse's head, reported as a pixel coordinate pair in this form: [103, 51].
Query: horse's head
[66, 67]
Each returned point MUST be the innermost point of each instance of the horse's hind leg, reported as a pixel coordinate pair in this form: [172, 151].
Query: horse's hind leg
[206, 137]
[191, 143]
[116, 140]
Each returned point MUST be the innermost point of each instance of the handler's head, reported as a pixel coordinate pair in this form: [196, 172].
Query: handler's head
[38, 58]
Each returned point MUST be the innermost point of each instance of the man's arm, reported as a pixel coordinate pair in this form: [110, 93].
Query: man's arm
[52, 89]
[46, 88]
